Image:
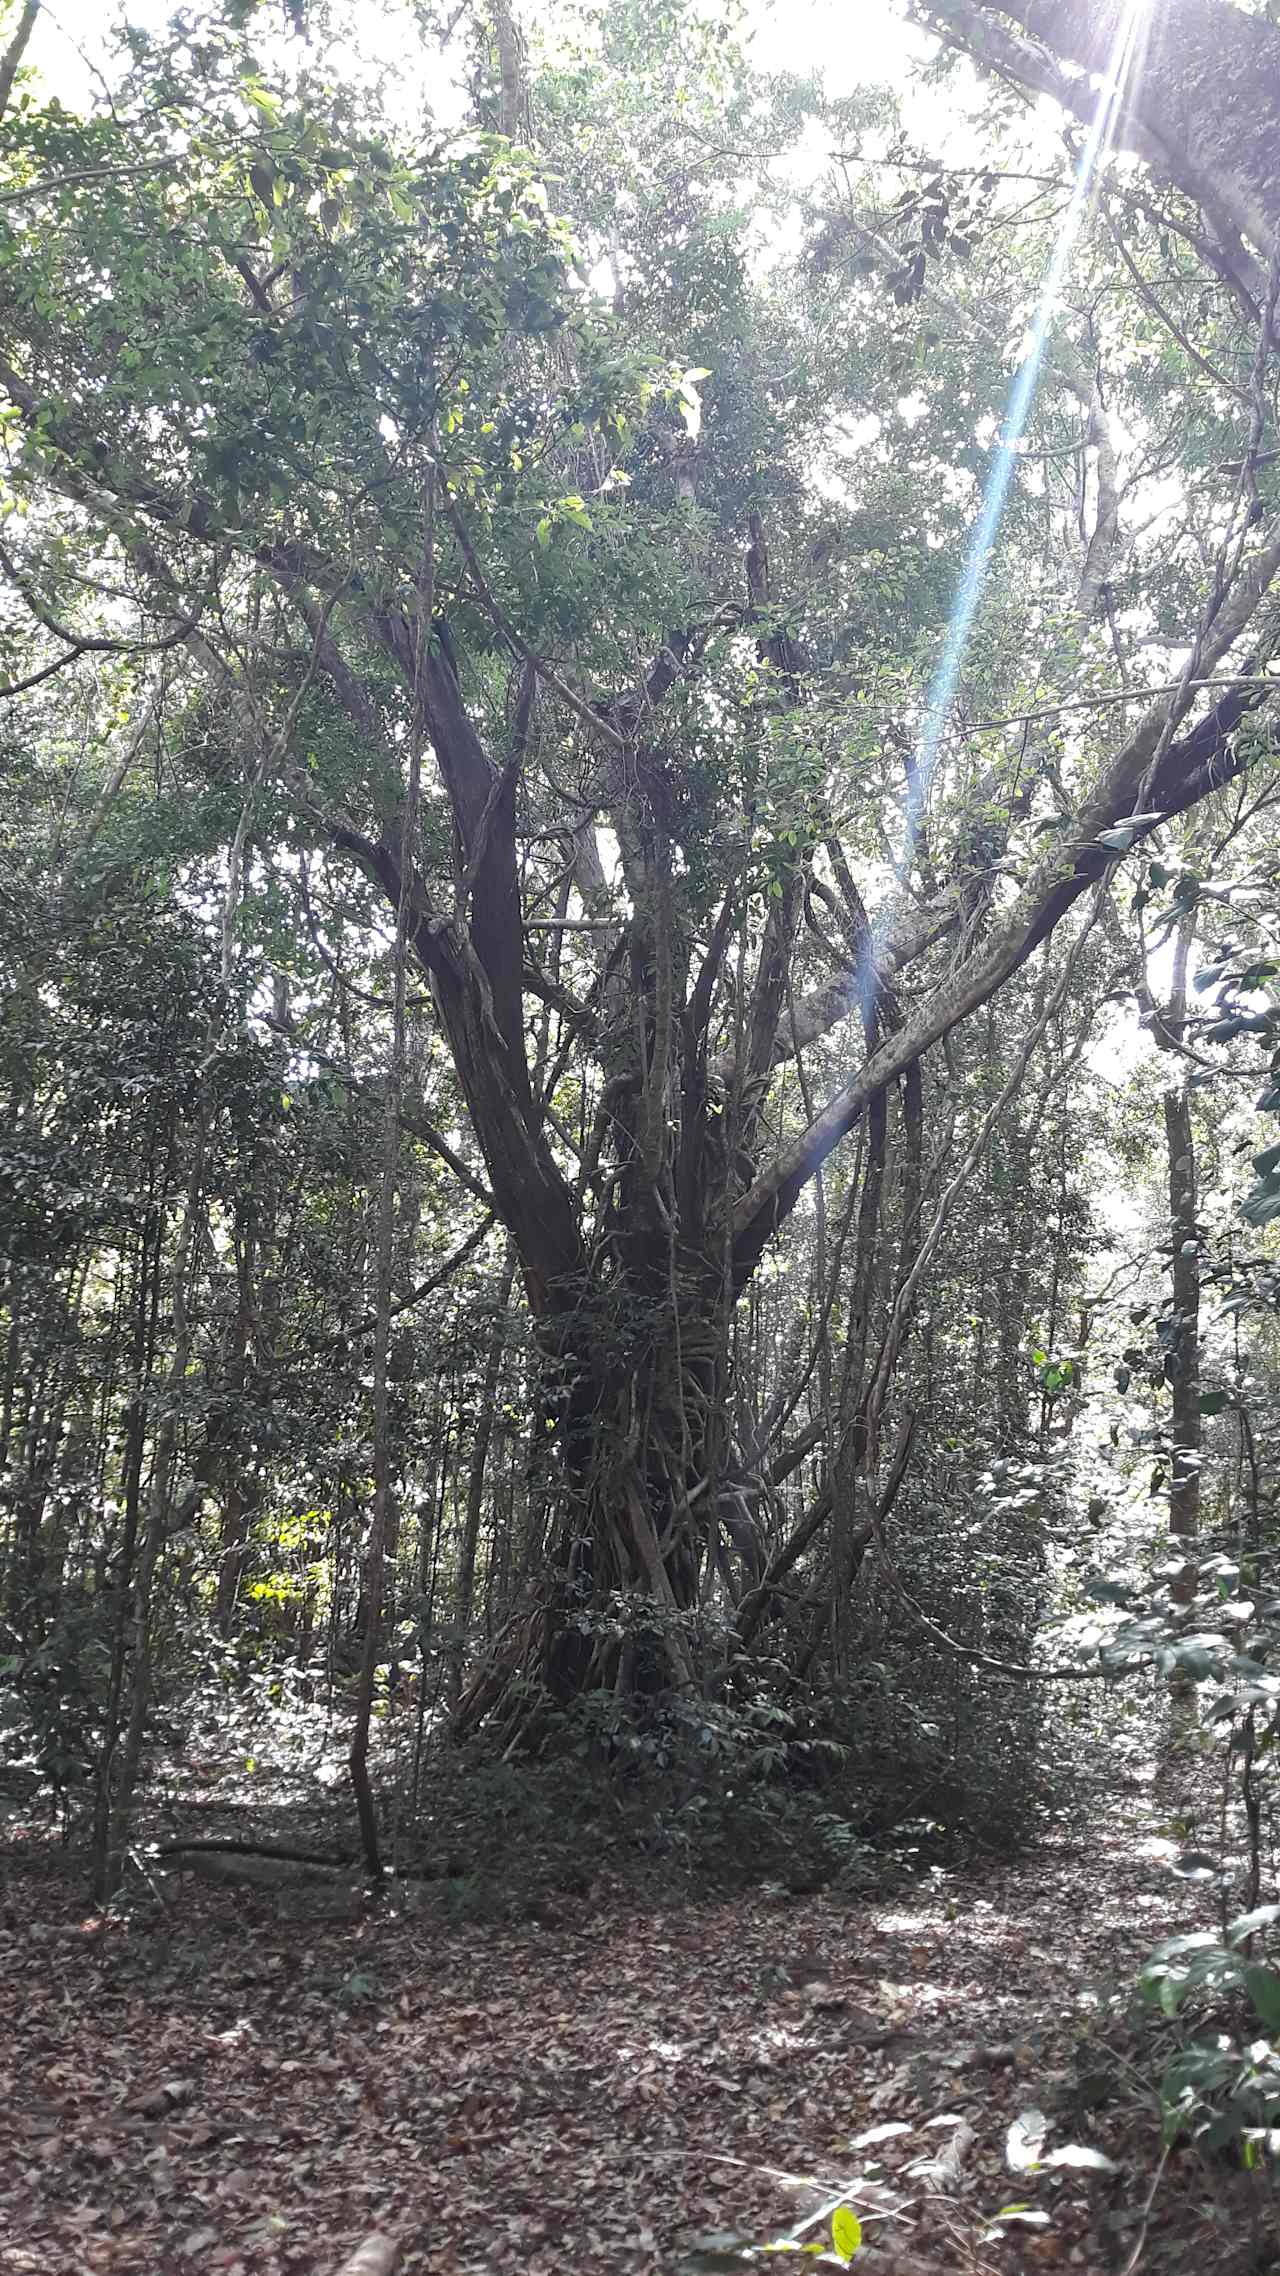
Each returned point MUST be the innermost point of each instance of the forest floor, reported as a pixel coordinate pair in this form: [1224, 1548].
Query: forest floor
[254, 2068]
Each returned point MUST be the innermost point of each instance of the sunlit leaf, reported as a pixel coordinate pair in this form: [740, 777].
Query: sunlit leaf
[846, 2231]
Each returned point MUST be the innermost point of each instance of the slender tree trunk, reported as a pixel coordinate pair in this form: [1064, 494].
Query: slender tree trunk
[110, 1864]
[1183, 1361]
[13, 54]
[475, 1483]
[513, 112]
[383, 1527]
[1182, 1357]
[1182, 1344]
[238, 1503]
[142, 1360]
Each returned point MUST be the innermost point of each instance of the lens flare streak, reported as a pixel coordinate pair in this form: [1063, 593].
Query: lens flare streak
[1018, 410]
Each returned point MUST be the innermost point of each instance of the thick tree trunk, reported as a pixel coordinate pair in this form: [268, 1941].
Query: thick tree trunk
[634, 1525]
[1181, 100]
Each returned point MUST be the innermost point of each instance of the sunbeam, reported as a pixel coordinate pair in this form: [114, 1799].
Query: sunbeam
[1021, 397]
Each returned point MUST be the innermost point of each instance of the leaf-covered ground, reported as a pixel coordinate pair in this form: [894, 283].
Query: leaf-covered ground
[250, 2074]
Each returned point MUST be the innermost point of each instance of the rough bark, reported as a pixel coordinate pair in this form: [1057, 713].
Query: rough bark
[11, 60]
[1181, 109]
[513, 110]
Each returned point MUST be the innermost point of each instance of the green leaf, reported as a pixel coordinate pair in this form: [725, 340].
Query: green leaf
[1263, 1987]
[1177, 1947]
[1260, 1208]
[1120, 837]
[1103, 1591]
[261, 98]
[1198, 1657]
[846, 2231]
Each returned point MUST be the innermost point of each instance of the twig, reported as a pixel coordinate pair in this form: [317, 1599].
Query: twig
[1143, 2225]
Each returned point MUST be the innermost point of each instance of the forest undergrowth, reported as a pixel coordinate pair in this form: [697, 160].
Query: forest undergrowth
[565, 2054]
